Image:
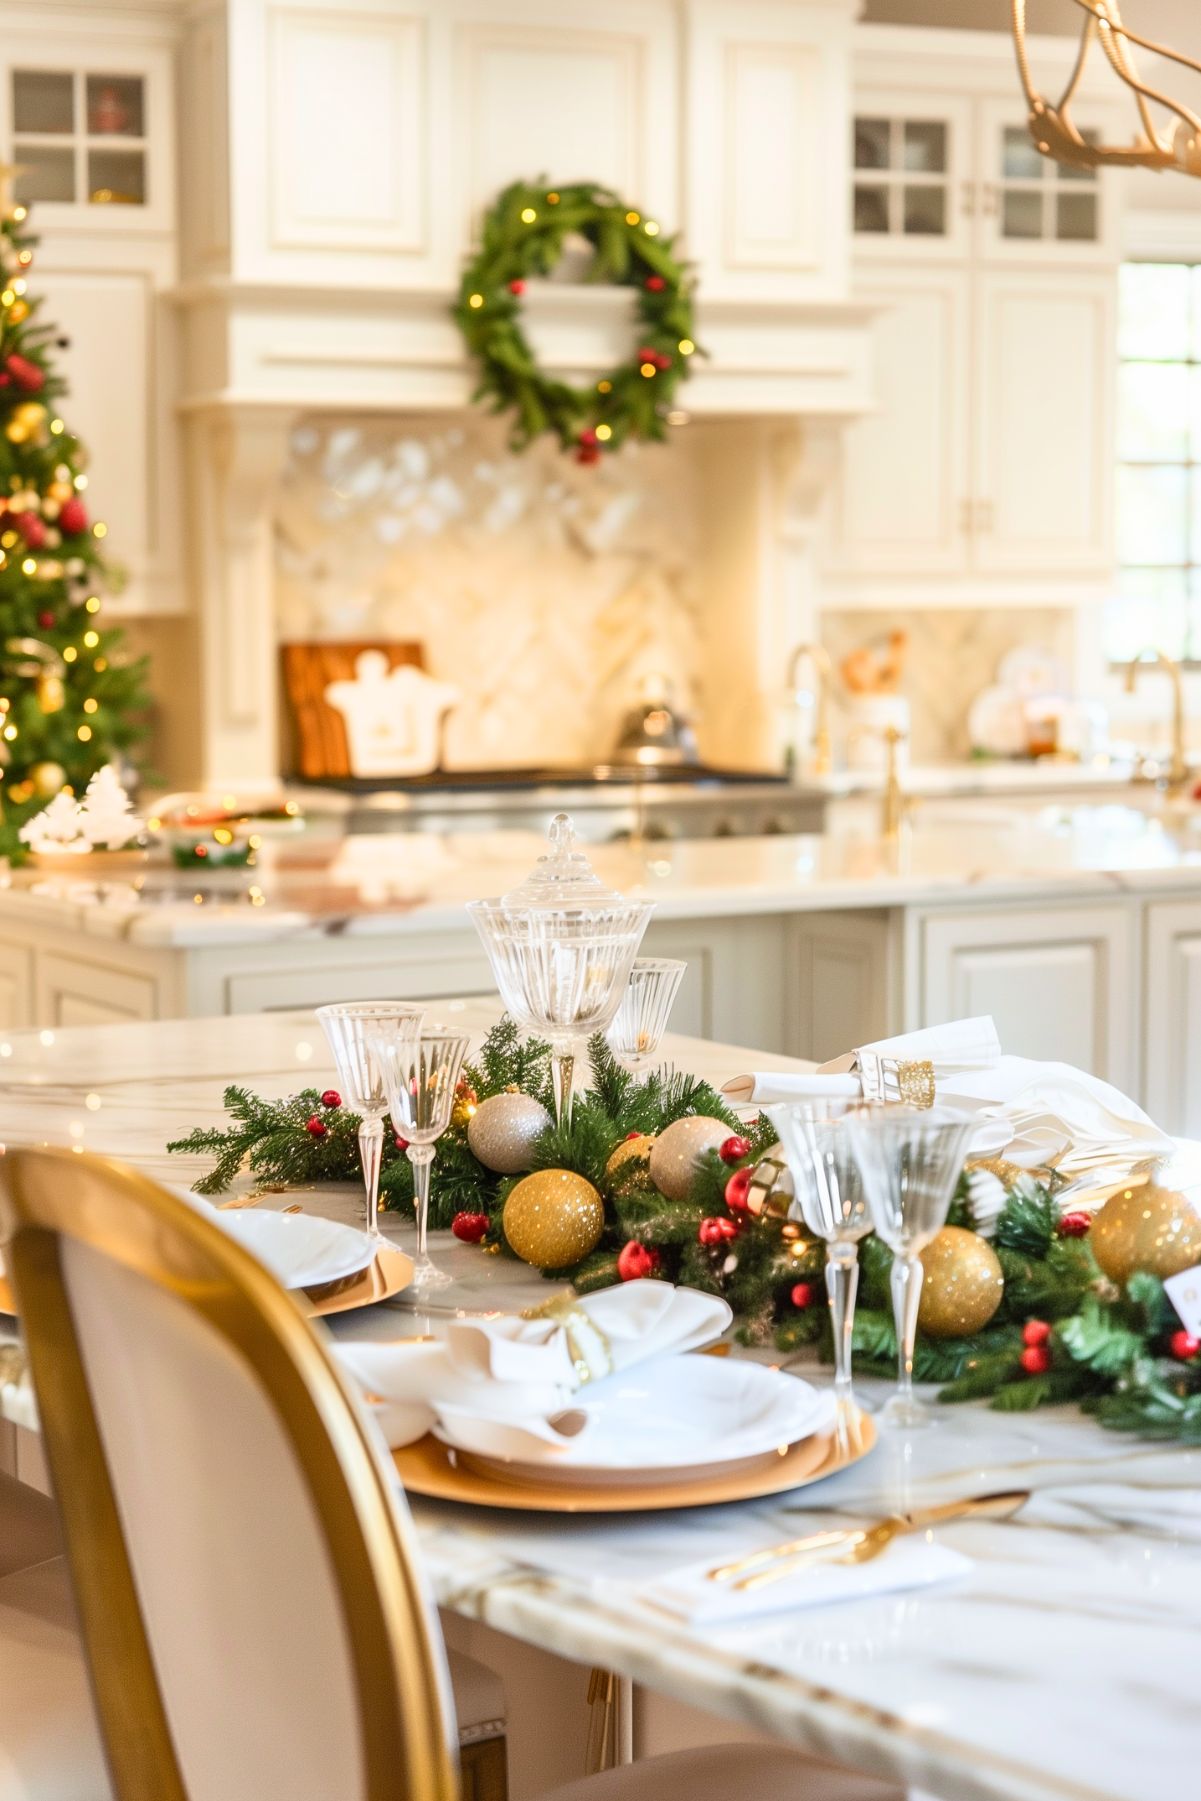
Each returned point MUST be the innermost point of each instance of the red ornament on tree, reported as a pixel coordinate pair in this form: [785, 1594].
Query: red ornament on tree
[1035, 1360]
[73, 517]
[1184, 1346]
[516, 286]
[717, 1230]
[660, 359]
[802, 1294]
[470, 1227]
[635, 1261]
[331, 1098]
[588, 438]
[1035, 1332]
[46, 619]
[588, 453]
[1074, 1225]
[654, 284]
[737, 1191]
[32, 528]
[734, 1149]
[316, 1128]
[28, 376]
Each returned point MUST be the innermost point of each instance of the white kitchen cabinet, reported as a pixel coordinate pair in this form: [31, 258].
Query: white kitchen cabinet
[1060, 981]
[1172, 1022]
[1033, 209]
[912, 187]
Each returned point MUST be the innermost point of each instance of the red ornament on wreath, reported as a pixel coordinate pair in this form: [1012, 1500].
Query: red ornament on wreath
[1035, 1332]
[1184, 1346]
[517, 286]
[636, 1261]
[738, 1190]
[718, 1230]
[734, 1149]
[28, 376]
[46, 619]
[73, 517]
[1036, 1359]
[331, 1099]
[802, 1295]
[654, 284]
[316, 1128]
[472, 1228]
[1074, 1225]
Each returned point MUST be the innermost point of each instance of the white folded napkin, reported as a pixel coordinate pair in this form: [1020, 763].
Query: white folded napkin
[691, 1595]
[528, 1370]
[961, 1044]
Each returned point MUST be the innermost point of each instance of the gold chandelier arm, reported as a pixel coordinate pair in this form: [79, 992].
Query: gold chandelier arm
[1018, 9]
[1116, 37]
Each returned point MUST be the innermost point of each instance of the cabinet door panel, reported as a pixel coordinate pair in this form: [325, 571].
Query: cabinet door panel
[905, 482]
[1058, 982]
[72, 993]
[1172, 1031]
[1034, 210]
[1046, 364]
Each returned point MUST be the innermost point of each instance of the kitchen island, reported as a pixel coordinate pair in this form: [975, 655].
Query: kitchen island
[1079, 930]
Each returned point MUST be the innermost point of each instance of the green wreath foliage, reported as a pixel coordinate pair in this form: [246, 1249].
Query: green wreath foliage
[523, 235]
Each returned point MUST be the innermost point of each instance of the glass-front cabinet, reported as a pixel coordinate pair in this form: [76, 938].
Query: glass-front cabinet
[909, 174]
[1034, 207]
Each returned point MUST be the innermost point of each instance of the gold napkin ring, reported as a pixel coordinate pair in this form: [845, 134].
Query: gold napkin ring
[897, 1079]
[587, 1345]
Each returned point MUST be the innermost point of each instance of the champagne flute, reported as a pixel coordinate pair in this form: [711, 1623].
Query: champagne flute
[830, 1200]
[351, 1029]
[420, 1073]
[910, 1159]
[641, 1018]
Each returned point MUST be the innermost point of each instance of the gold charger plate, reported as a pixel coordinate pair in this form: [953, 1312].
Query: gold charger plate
[432, 1469]
[387, 1274]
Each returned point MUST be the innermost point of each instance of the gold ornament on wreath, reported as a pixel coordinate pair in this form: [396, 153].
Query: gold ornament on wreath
[523, 235]
[1146, 1227]
[640, 1145]
[962, 1284]
[676, 1153]
[553, 1218]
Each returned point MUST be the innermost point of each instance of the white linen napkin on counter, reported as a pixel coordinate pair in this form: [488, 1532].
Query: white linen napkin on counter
[527, 1370]
[692, 1595]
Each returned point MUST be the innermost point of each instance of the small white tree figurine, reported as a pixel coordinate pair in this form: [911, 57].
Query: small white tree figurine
[106, 815]
[56, 827]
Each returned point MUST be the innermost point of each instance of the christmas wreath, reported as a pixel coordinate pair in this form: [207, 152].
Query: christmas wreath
[661, 1179]
[524, 233]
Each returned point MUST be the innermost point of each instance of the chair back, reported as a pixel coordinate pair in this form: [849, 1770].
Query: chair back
[253, 1614]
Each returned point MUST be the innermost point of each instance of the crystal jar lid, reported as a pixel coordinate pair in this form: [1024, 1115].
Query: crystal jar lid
[562, 876]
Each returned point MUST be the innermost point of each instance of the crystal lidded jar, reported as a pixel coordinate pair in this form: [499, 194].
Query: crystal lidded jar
[561, 946]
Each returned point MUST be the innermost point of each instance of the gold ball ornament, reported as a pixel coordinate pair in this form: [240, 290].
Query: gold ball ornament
[962, 1286]
[503, 1129]
[553, 1218]
[1146, 1227]
[677, 1151]
[48, 778]
[463, 1106]
[629, 1147]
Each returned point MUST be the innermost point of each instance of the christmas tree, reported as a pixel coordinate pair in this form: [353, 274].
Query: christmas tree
[69, 701]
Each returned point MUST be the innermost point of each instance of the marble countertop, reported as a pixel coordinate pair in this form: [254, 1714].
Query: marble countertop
[409, 883]
[1062, 1668]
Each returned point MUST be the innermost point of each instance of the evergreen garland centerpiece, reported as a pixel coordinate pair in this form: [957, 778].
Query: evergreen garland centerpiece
[524, 234]
[69, 700]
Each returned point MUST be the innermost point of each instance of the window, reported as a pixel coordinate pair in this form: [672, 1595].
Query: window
[79, 137]
[901, 179]
[1159, 463]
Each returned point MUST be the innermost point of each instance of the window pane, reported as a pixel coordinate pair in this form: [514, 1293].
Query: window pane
[1153, 412]
[1066, 172]
[924, 147]
[115, 106]
[871, 143]
[43, 101]
[44, 173]
[1150, 607]
[1022, 215]
[116, 178]
[1076, 218]
[926, 212]
[871, 208]
[1153, 312]
[1152, 515]
[1020, 161]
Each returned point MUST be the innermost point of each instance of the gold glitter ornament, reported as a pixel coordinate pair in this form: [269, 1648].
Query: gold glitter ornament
[502, 1131]
[463, 1106]
[1146, 1227]
[629, 1147]
[48, 778]
[962, 1285]
[677, 1151]
[553, 1218]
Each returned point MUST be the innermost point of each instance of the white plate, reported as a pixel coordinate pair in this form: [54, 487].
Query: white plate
[300, 1249]
[676, 1416]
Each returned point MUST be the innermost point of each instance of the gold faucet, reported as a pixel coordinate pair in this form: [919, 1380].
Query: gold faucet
[823, 671]
[1151, 658]
[892, 805]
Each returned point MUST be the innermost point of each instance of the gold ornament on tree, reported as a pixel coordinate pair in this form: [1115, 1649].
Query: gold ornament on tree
[677, 1152]
[638, 1146]
[553, 1218]
[1146, 1227]
[962, 1285]
[503, 1130]
[48, 778]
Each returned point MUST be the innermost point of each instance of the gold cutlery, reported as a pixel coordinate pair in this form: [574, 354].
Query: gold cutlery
[240, 1201]
[860, 1544]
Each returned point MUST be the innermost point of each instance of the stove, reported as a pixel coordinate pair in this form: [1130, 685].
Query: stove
[607, 802]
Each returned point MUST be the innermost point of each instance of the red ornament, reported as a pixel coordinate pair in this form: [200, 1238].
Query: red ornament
[1035, 1332]
[5, 381]
[402, 1144]
[316, 1128]
[1035, 1360]
[588, 453]
[738, 1190]
[734, 1149]
[660, 359]
[588, 438]
[647, 354]
[28, 376]
[331, 1098]
[73, 517]
[631, 1135]
[1074, 1225]
[470, 1227]
[516, 286]
[802, 1294]
[655, 284]
[46, 619]
[635, 1261]
[718, 1230]
[32, 528]
[1184, 1346]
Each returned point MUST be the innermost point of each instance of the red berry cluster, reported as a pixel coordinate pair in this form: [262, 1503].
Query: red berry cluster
[636, 1261]
[1036, 1358]
[1074, 1225]
[23, 374]
[718, 1230]
[1184, 1346]
[314, 1125]
[659, 359]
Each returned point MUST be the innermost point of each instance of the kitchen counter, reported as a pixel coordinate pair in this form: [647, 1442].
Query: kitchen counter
[1059, 1668]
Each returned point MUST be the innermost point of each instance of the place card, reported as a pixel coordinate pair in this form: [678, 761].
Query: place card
[1184, 1292]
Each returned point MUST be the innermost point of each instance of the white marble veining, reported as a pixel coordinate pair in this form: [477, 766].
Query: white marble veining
[417, 883]
[1061, 1669]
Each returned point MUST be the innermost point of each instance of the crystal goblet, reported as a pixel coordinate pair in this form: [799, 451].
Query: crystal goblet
[910, 1159]
[641, 1018]
[420, 1074]
[830, 1200]
[351, 1029]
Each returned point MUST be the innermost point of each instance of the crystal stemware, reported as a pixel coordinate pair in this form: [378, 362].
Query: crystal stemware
[641, 1018]
[561, 947]
[420, 1074]
[830, 1201]
[910, 1159]
[351, 1029]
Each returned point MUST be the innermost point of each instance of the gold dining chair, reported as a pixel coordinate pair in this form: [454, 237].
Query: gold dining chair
[254, 1619]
